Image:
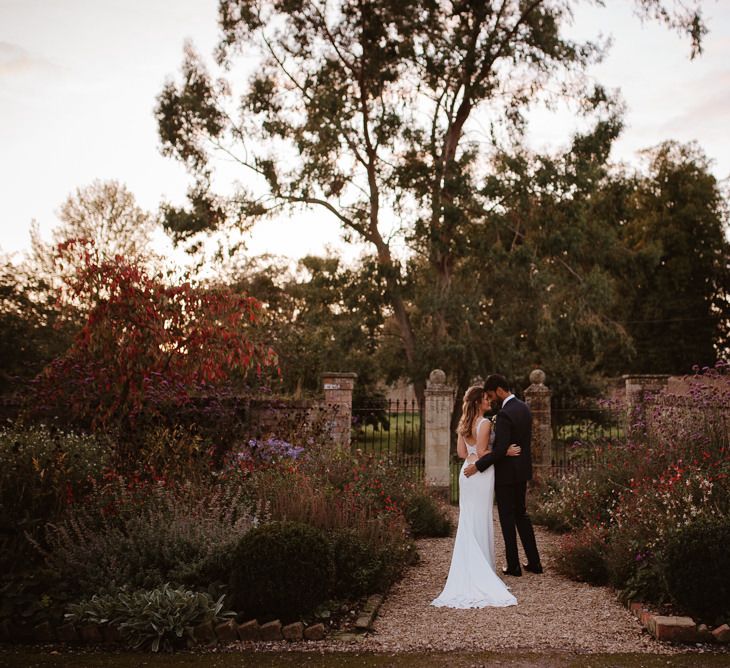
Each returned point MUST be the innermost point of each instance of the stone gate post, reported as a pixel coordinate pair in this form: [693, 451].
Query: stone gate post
[337, 389]
[439, 402]
[639, 389]
[537, 397]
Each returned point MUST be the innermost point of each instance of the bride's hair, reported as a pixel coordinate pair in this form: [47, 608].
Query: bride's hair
[470, 409]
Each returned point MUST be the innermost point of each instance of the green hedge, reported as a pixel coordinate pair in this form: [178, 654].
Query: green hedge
[696, 568]
[281, 570]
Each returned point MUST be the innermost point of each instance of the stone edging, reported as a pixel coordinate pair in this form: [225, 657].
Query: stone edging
[203, 634]
[678, 629]
[367, 615]
[363, 623]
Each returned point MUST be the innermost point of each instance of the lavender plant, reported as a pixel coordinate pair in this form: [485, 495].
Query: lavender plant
[167, 535]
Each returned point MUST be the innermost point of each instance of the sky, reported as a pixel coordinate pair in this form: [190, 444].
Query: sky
[79, 79]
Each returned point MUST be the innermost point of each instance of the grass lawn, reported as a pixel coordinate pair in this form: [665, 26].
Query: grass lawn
[401, 438]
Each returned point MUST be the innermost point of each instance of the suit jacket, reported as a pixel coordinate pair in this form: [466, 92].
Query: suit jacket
[513, 425]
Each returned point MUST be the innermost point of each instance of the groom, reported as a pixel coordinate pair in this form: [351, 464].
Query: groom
[514, 425]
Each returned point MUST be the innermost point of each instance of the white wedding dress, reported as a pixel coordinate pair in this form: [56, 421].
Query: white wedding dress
[472, 580]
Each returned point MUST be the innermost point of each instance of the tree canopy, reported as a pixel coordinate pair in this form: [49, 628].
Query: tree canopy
[678, 299]
[375, 112]
[104, 212]
[321, 316]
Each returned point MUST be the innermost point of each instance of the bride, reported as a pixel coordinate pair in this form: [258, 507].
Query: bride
[472, 580]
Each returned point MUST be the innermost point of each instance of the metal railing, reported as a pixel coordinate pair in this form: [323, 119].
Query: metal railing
[580, 433]
[392, 430]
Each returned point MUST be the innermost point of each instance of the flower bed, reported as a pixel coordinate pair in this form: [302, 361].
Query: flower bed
[654, 519]
[143, 531]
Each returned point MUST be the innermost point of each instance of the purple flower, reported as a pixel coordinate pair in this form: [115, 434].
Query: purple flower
[274, 448]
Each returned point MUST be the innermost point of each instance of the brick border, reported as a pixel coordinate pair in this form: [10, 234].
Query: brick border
[666, 628]
[206, 634]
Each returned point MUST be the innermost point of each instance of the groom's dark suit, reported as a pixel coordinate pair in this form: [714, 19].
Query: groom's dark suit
[513, 425]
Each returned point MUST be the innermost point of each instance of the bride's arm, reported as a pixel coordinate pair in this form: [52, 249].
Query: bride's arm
[461, 447]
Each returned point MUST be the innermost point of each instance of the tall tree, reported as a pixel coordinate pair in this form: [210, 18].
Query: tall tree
[32, 329]
[538, 283]
[105, 213]
[322, 316]
[367, 110]
[678, 295]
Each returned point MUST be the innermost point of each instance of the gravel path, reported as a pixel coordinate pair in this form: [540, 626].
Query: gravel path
[554, 616]
[553, 613]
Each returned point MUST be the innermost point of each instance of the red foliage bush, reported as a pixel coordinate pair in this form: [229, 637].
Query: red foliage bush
[145, 344]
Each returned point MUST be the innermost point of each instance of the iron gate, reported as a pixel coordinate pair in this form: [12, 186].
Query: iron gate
[580, 433]
[393, 430]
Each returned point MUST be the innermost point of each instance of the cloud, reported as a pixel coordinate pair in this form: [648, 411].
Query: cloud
[710, 106]
[14, 60]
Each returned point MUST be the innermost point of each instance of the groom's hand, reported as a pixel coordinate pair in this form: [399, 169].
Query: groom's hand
[470, 470]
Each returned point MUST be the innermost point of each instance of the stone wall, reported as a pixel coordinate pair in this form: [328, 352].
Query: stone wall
[690, 407]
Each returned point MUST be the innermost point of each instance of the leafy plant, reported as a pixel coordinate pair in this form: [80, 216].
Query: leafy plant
[42, 472]
[144, 534]
[582, 555]
[380, 484]
[177, 451]
[425, 517]
[159, 618]
[31, 597]
[587, 497]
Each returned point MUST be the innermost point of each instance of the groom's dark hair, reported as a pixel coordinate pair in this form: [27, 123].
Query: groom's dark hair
[494, 381]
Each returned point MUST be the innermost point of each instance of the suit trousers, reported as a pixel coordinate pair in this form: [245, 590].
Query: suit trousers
[513, 518]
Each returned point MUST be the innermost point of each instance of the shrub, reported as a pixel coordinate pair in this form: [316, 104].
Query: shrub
[632, 566]
[589, 496]
[425, 517]
[327, 463]
[158, 618]
[361, 567]
[582, 556]
[647, 493]
[32, 596]
[177, 452]
[380, 484]
[321, 505]
[647, 514]
[41, 473]
[282, 569]
[146, 346]
[696, 568]
[142, 536]
[370, 542]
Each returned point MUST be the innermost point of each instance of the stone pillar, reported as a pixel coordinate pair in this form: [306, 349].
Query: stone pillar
[537, 397]
[337, 389]
[639, 389]
[439, 402]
